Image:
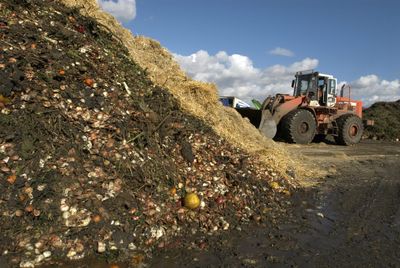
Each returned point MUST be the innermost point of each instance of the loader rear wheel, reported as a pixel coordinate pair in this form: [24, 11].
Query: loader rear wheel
[350, 129]
[298, 126]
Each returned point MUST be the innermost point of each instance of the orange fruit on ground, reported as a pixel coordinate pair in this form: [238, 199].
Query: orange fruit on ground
[96, 218]
[172, 191]
[192, 201]
[89, 82]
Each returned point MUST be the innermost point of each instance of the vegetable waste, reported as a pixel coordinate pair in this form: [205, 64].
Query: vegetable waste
[95, 159]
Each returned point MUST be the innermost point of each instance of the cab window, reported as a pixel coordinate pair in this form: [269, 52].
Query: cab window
[332, 86]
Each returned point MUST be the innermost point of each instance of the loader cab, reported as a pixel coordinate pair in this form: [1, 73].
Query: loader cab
[319, 88]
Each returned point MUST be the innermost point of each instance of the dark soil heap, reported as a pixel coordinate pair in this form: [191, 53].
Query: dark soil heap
[95, 159]
[387, 120]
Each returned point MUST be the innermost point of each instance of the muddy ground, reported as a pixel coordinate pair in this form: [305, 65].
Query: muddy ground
[350, 218]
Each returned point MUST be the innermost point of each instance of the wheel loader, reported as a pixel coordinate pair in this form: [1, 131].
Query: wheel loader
[316, 109]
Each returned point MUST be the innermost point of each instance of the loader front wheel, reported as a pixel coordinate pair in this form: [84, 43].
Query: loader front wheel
[350, 129]
[298, 126]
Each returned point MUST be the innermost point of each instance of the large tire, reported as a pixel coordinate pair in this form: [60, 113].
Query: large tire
[298, 126]
[350, 129]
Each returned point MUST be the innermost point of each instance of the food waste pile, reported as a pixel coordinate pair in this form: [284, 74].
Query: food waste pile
[95, 160]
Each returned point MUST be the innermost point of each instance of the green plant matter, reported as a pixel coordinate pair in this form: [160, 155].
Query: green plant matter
[387, 120]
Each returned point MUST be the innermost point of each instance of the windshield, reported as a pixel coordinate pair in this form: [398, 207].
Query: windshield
[304, 84]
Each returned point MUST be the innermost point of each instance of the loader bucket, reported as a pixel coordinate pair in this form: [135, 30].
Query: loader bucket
[261, 119]
[268, 125]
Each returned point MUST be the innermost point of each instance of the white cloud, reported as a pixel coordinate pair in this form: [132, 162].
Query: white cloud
[122, 9]
[235, 75]
[279, 51]
[371, 88]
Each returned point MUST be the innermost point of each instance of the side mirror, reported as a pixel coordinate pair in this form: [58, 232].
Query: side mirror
[343, 86]
[292, 83]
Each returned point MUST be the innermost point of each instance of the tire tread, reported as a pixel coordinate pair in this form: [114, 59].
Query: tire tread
[343, 122]
[287, 130]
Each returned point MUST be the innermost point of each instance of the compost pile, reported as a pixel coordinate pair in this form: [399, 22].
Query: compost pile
[386, 116]
[95, 159]
[197, 98]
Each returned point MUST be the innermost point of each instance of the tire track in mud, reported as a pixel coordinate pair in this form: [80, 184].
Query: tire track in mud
[360, 206]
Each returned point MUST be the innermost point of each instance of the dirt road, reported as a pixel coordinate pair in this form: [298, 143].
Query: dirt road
[350, 218]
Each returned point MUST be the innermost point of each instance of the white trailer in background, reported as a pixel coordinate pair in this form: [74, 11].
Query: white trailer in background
[233, 102]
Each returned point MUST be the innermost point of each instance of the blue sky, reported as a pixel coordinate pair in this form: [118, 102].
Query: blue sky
[352, 39]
